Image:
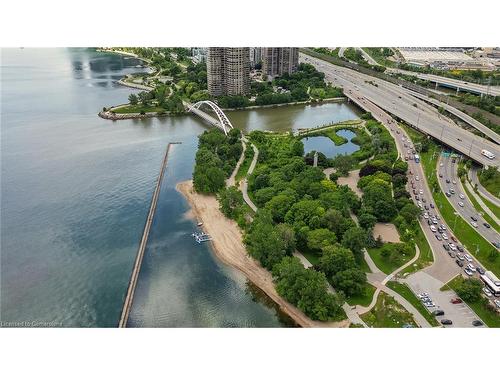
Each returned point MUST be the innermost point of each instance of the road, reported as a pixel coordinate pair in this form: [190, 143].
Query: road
[396, 100]
[450, 82]
[485, 193]
[461, 115]
[459, 199]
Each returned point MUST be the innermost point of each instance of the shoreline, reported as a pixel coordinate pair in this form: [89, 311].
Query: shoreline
[227, 245]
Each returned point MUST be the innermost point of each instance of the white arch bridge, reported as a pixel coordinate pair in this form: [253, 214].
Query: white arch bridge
[222, 122]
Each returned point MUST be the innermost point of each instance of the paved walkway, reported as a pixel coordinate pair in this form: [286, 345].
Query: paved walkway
[244, 183]
[232, 179]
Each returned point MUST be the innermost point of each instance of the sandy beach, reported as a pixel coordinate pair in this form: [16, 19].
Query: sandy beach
[227, 244]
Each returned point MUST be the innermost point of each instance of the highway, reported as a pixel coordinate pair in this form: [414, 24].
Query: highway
[447, 171]
[461, 115]
[450, 82]
[397, 101]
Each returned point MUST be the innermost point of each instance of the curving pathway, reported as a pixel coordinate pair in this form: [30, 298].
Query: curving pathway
[231, 181]
[244, 182]
[481, 189]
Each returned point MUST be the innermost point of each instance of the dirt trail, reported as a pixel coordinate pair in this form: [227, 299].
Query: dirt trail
[227, 245]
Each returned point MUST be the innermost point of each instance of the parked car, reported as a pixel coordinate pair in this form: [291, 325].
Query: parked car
[480, 270]
[452, 254]
[460, 257]
[468, 271]
[430, 204]
[472, 267]
[468, 257]
[446, 322]
[487, 292]
[477, 323]
[456, 301]
[446, 247]
[497, 303]
[438, 312]
[438, 237]
[459, 263]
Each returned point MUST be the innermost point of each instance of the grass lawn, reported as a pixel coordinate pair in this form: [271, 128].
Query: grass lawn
[426, 257]
[377, 55]
[137, 109]
[494, 208]
[242, 172]
[406, 293]
[491, 318]
[478, 208]
[388, 313]
[385, 264]
[475, 243]
[491, 184]
[311, 257]
[364, 299]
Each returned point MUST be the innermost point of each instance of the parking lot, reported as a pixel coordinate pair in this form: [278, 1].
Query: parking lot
[460, 314]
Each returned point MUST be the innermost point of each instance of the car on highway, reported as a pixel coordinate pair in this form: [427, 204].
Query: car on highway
[487, 292]
[472, 267]
[452, 254]
[452, 191]
[438, 312]
[487, 225]
[473, 218]
[461, 196]
[460, 256]
[423, 295]
[430, 204]
[438, 237]
[474, 224]
[446, 247]
[468, 257]
[440, 175]
[459, 247]
[456, 301]
[445, 237]
[448, 194]
[454, 182]
[477, 323]
[459, 262]
[468, 271]
[447, 181]
[452, 246]
[480, 270]
[417, 178]
[461, 204]
[421, 192]
[433, 228]
[497, 303]
[446, 322]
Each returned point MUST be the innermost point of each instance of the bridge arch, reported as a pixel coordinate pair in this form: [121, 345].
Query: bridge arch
[226, 125]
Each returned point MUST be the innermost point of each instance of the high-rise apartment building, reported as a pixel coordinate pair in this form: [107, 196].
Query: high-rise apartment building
[228, 71]
[255, 56]
[279, 60]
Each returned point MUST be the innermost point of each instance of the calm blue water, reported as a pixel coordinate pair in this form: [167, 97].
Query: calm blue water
[327, 146]
[75, 191]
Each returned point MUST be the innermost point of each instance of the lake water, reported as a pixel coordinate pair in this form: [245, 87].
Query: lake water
[76, 189]
[326, 146]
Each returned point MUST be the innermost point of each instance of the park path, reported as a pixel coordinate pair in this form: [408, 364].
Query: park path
[244, 182]
[231, 181]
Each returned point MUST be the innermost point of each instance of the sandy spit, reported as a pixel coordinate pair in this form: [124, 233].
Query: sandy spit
[227, 245]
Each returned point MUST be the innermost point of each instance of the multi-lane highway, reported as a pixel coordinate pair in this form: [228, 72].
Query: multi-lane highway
[397, 101]
[450, 82]
[451, 185]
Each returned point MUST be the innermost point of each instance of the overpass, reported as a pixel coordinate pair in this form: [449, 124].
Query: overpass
[474, 88]
[397, 101]
[461, 115]
[221, 122]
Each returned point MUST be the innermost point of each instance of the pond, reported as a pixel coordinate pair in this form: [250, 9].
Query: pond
[326, 146]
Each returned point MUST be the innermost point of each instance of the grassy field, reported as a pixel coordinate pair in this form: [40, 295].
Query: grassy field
[426, 257]
[246, 163]
[406, 293]
[491, 184]
[478, 208]
[385, 264]
[137, 109]
[495, 209]
[387, 313]
[476, 244]
[480, 307]
[377, 55]
[364, 299]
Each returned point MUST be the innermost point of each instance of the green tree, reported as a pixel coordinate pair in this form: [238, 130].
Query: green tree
[320, 238]
[343, 163]
[132, 99]
[469, 289]
[355, 239]
[230, 201]
[351, 281]
[336, 259]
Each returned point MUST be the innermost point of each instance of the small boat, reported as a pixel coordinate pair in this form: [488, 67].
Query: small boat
[199, 224]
